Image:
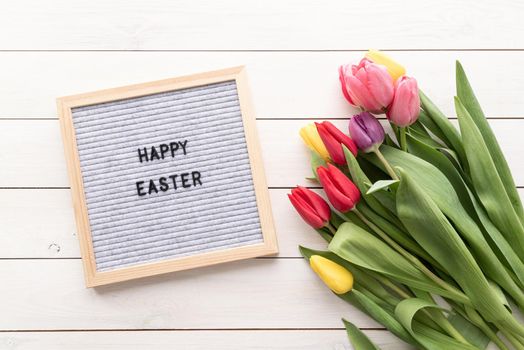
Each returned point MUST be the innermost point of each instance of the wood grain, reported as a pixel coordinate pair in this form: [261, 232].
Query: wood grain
[42, 219]
[193, 340]
[44, 298]
[39, 161]
[260, 25]
[256, 293]
[283, 84]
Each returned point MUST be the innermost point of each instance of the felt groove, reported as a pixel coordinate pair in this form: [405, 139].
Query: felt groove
[216, 211]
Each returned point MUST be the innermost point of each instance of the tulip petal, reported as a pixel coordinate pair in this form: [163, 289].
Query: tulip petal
[366, 131]
[360, 94]
[380, 84]
[395, 69]
[405, 108]
[312, 140]
[335, 196]
[332, 145]
[335, 276]
[318, 203]
[344, 184]
[341, 76]
[305, 211]
[342, 139]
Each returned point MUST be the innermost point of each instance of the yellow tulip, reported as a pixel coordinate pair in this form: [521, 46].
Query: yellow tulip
[336, 277]
[394, 68]
[312, 139]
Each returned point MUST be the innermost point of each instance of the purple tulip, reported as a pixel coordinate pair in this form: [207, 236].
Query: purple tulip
[366, 131]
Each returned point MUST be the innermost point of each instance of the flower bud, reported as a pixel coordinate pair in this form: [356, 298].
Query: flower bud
[366, 131]
[312, 139]
[394, 68]
[311, 207]
[335, 276]
[333, 139]
[340, 190]
[368, 85]
[405, 108]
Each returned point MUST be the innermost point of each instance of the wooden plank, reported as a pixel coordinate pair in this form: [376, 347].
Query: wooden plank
[194, 340]
[43, 221]
[234, 24]
[32, 153]
[257, 293]
[283, 84]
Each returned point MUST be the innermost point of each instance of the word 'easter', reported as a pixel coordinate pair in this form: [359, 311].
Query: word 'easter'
[165, 183]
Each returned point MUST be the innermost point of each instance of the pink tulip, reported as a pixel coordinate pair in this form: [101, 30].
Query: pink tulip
[405, 108]
[368, 85]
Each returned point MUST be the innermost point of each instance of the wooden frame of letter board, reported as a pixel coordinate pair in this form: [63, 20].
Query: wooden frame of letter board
[94, 278]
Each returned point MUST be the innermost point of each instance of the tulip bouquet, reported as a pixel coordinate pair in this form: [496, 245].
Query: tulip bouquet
[425, 228]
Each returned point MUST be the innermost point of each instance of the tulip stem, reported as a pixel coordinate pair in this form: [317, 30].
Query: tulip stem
[492, 336]
[459, 296]
[384, 162]
[511, 338]
[331, 228]
[403, 143]
[444, 323]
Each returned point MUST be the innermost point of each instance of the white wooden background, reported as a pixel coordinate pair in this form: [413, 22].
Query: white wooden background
[292, 50]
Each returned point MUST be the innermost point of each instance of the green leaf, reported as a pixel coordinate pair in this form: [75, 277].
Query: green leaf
[357, 338]
[360, 179]
[487, 183]
[363, 279]
[439, 188]
[379, 314]
[316, 161]
[426, 336]
[471, 104]
[469, 203]
[432, 230]
[421, 133]
[449, 132]
[381, 185]
[372, 172]
[389, 141]
[471, 332]
[361, 248]
[487, 330]
[430, 125]
[397, 234]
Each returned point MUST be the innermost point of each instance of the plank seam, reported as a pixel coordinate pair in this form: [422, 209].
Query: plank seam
[270, 118]
[184, 329]
[67, 188]
[79, 258]
[271, 50]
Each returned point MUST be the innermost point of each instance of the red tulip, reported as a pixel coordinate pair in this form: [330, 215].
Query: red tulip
[340, 190]
[311, 207]
[333, 139]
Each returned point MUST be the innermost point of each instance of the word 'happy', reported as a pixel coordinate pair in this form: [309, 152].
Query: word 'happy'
[156, 153]
[169, 182]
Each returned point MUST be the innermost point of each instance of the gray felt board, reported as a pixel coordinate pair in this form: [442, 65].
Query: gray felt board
[194, 139]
